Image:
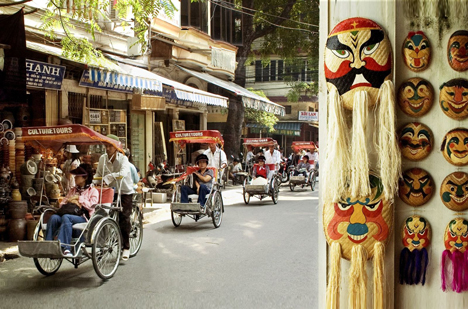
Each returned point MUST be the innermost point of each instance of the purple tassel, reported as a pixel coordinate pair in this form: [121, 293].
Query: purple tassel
[446, 255]
[404, 260]
[425, 257]
[416, 256]
[457, 263]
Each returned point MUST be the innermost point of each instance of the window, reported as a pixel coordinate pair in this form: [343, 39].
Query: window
[266, 73]
[277, 70]
[258, 71]
[194, 14]
[287, 109]
[225, 22]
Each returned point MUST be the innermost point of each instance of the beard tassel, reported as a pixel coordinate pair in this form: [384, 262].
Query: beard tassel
[379, 294]
[337, 159]
[359, 161]
[458, 272]
[358, 278]
[386, 141]
[333, 289]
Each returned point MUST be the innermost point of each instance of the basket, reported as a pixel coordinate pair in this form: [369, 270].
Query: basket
[256, 189]
[297, 179]
[40, 249]
[186, 207]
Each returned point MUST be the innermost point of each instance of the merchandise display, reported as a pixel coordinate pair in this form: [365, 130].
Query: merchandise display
[454, 146]
[457, 50]
[417, 51]
[416, 237]
[416, 141]
[416, 187]
[453, 98]
[454, 191]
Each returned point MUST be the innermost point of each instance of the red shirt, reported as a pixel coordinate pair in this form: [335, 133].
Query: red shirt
[261, 171]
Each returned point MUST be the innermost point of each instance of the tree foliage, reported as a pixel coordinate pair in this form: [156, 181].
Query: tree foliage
[268, 120]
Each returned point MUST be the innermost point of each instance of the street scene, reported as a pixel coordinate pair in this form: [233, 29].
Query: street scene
[263, 256]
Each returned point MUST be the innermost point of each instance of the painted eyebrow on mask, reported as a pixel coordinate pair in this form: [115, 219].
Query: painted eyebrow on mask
[377, 36]
[334, 44]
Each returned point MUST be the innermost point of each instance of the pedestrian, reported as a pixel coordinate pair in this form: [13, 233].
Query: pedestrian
[133, 169]
[72, 162]
[117, 165]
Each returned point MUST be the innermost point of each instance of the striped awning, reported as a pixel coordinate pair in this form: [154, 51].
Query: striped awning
[125, 80]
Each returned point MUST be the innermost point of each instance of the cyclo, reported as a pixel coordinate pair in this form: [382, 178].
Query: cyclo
[214, 205]
[258, 187]
[311, 175]
[100, 237]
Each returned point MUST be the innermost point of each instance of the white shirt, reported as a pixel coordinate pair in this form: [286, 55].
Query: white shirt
[249, 156]
[274, 158]
[120, 167]
[214, 158]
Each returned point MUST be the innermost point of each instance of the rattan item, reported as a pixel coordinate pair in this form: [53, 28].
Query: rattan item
[415, 97]
[416, 51]
[416, 141]
[457, 50]
[416, 187]
[416, 236]
[454, 148]
[453, 98]
[454, 265]
[454, 191]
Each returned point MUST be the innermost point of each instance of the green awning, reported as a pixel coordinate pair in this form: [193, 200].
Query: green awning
[281, 128]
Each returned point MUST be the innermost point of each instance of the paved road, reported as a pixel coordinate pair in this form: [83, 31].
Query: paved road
[262, 256]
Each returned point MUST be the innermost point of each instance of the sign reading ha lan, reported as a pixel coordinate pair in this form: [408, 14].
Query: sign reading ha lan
[308, 116]
[44, 75]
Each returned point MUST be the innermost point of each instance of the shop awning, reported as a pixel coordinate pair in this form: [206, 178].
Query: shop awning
[281, 128]
[249, 99]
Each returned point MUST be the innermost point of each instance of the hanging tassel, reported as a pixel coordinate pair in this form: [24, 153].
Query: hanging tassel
[425, 258]
[336, 171]
[333, 289]
[360, 185]
[385, 140]
[404, 261]
[417, 266]
[465, 270]
[457, 264]
[444, 271]
[358, 278]
[379, 294]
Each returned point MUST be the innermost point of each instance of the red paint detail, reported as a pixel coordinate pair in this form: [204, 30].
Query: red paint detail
[338, 217]
[375, 213]
[343, 69]
[417, 62]
[458, 94]
[371, 64]
[361, 85]
[406, 236]
[351, 24]
[452, 145]
[357, 241]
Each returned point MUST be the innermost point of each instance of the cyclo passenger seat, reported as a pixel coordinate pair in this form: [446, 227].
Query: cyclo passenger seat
[106, 197]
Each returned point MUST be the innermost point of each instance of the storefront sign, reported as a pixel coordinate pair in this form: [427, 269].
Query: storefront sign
[94, 116]
[85, 81]
[44, 75]
[308, 116]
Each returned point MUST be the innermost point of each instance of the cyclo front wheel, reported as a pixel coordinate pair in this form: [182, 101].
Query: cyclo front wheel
[313, 180]
[107, 247]
[217, 213]
[45, 266]
[136, 232]
[176, 218]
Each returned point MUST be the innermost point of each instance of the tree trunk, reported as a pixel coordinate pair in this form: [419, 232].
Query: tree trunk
[233, 128]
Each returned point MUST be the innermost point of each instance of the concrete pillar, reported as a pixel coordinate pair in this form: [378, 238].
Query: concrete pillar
[204, 121]
[51, 107]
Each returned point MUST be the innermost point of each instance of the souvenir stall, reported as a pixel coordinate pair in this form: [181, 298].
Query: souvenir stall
[389, 240]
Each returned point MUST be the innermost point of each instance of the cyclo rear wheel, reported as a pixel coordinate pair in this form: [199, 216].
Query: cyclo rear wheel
[107, 247]
[176, 218]
[312, 180]
[136, 232]
[45, 266]
[246, 194]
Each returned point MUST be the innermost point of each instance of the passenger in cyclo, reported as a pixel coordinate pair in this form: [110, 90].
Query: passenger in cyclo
[303, 167]
[117, 165]
[203, 181]
[236, 168]
[83, 195]
[260, 170]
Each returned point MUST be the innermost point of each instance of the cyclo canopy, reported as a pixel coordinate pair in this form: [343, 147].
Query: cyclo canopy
[197, 137]
[260, 142]
[303, 145]
[55, 137]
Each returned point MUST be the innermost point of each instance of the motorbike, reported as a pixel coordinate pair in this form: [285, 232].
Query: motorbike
[154, 175]
[284, 170]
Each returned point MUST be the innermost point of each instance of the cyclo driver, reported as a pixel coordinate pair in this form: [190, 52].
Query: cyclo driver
[203, 180]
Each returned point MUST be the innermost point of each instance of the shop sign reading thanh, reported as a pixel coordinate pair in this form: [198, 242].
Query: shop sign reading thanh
[44, 75]
[308, 116]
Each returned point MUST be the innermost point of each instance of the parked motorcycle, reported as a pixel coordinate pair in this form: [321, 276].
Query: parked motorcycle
[283, 171]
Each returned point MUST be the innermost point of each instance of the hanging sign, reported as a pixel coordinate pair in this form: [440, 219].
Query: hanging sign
[308, 116]
[44, 75]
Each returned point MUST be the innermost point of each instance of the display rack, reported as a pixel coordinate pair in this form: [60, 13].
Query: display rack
[106, 121]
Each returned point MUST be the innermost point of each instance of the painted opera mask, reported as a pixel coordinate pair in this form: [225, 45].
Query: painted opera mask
[358, 56]
[416, 233]
[455, 146]
[416, 141]
[457, 50]
[416, 187]
[417, 51]
[361, 221]
[453, 98]
[415, 97]
[456, 235]
[454, 191]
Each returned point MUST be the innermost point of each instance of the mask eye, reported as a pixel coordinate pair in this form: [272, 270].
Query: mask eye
[373, 207]
[450, 93]
[343, 206]
[466, 188]
[452, 188]
[341, 53]
[410, 232]
[452, 234]
[371, 48]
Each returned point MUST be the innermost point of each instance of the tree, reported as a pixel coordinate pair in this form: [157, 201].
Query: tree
[289, 29]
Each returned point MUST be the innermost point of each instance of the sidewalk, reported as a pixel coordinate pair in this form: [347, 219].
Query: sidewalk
[151, 214]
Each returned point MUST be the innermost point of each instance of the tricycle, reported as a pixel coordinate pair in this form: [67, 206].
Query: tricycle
[261, 187]
[310, 177]
[214, 205]
[98, 239]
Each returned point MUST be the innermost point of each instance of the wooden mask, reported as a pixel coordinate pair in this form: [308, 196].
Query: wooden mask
[454, 191]
[415, 97]
[416, 233]
[358, 56]
[362, 221]
[417, 51]
[455, 146]
[457, 50]
[416, 187]
[456, 235]
[416, 141]
[453, 98]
